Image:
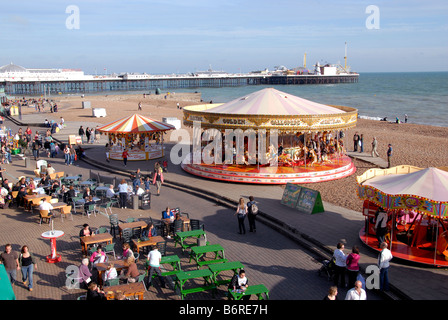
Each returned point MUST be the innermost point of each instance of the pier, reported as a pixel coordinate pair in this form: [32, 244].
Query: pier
[117, 83]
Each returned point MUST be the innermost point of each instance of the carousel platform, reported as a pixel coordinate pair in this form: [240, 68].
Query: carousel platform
[281, 174]
[423, 254]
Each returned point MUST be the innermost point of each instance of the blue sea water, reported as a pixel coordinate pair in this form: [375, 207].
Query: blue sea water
[423, 96]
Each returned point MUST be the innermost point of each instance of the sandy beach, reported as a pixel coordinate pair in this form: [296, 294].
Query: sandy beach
[413, 144]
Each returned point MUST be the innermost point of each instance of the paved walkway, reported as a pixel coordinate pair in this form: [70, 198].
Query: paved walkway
[327, 228]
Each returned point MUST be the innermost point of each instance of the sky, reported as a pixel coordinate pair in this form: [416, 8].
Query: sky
[180, 36]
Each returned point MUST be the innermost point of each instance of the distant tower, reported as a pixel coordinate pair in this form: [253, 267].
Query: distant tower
[345, 57]
[304, 60]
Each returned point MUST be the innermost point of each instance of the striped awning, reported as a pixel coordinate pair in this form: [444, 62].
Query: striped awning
[273, 102]
[135, 124]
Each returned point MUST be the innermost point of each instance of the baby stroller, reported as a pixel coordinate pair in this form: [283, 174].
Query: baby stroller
[327, 269]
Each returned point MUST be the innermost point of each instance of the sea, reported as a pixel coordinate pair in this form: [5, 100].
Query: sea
[423, 96]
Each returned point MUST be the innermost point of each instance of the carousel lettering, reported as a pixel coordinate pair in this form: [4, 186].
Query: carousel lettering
[286, 123]
[234, 121]
[330, 121]
[195, 118]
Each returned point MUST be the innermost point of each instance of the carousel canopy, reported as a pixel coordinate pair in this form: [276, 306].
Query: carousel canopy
[272, 102]
[272, 109]
[424, 190]
[135, 124]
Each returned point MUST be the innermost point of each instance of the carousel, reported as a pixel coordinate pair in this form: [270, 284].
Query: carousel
[308, 147]
[141, 136]
[416, 203]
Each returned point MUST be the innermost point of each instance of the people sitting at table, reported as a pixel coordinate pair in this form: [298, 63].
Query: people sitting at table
[127, 252]
[40, 189]
[70, 194]
[94, 292]
[110, 193]
[149, 231]
[84, 274]
[85, 231]
[167, 214]
[50, 169]
[45, 205]
[20, 197]
[131, 274]
[87, 193]
[89, 202]
[45, 180]
[110, 273]
[54, 186]
[99, 256]
[239, 282]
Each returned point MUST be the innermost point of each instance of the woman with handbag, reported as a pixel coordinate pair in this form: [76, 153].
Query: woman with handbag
[241, 211]
[158, 178]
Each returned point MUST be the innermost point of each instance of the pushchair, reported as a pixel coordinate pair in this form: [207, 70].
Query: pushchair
[327, 269]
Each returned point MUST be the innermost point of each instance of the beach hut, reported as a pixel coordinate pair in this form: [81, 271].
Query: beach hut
[416, 200]
[141, 136]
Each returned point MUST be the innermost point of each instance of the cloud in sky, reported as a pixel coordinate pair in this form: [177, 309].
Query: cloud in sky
[165, 36]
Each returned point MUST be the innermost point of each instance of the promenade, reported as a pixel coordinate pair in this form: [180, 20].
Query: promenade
[323, 230]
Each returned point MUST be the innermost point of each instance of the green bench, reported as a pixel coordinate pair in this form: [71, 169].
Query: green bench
[197, 253]
[180, 237]
[259, 290]
[207, 262]
[225, 266]
[172, 260]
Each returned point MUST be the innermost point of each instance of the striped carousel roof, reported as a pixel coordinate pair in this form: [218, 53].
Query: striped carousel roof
[135, 124]
[272, 102]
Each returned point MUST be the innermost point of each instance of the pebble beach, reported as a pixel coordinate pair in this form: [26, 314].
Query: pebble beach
[413, 144]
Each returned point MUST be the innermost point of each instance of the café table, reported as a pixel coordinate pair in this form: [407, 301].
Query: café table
[96, 238]
[87, 183]
[83, 201]
[152, 241]
[225, 266]
[131, 225]
[130, 290]
[183, 276]
[72, 178]
[53, 235]
[199, 252]
[180, 237]
[185, 224]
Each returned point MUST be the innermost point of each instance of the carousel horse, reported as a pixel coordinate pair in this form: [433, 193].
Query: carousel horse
[313, 156]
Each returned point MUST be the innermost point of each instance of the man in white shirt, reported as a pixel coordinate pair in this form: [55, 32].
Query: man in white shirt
[110, 193]
[45, 205]
[356, 293]
[383, 263]
[154, 258]
[340, 265]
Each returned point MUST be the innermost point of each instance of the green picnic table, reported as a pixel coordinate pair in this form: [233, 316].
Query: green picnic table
[258, 289]
[197, 253]
[225, 266]
[6, 292]
[172, 260]
[180, 237]
[183, 276]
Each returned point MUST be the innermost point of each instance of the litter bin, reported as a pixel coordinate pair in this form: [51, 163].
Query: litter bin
[145, 201]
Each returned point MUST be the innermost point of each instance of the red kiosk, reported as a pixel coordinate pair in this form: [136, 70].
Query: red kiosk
[416, 201]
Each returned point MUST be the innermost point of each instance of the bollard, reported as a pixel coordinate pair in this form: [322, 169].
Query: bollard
[135, 202]
[27, 162]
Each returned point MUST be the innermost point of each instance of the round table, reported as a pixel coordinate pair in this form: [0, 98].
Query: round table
[53, 235]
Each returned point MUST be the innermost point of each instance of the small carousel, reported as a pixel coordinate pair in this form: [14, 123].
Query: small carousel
[308, 149]
[416, 203]
[141, 136]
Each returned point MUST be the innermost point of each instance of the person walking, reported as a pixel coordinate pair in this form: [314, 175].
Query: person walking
[381, 225]
[357, 292]
[252, 211]
[67, 155]
[353, 265]
[28, 264]
[241, 211]
[355, 141]
[158, 178]
[332, 293]
[405, 118]
[81, 133]
[140, 106]
[340, 265]
[10, 260]
[389, 154]
[374, 146]
[383, 263]
[87, 135]
[125, 155]
[153, 259]
[361, 143]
